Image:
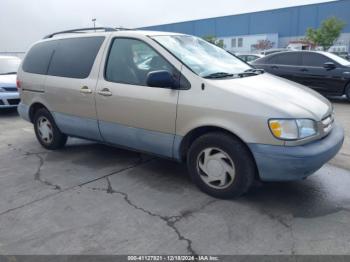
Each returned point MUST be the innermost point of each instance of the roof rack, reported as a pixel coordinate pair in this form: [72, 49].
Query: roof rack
[84, 30]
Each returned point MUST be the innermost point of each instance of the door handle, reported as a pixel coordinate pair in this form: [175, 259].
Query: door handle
[304, 70]
[274, 67]
[105, 92]
[85, 90]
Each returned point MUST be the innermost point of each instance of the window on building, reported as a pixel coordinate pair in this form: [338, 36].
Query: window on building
[240, 42]
[233, 42]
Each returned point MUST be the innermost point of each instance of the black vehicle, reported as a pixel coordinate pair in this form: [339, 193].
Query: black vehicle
[327, 73]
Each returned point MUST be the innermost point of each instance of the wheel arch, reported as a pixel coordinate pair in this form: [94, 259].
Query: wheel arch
[34, 108]
[197, 132]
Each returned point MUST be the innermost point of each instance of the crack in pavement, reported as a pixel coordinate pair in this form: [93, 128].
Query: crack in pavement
[169, 220]
[37, 175]
[138, 163]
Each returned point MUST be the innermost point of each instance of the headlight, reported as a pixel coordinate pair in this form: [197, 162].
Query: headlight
[292, 129]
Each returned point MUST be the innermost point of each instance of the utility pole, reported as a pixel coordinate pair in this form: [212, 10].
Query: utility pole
[94, 21]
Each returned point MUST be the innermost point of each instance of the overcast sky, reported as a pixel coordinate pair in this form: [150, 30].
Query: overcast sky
[23, 22]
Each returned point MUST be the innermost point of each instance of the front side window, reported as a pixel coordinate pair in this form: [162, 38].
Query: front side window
[130, 61]
[201, 57]
[314, 59]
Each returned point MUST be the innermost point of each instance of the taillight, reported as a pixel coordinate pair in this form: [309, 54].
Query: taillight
[18, 83]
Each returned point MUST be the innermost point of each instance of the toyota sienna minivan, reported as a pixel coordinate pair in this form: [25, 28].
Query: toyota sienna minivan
[179, 97]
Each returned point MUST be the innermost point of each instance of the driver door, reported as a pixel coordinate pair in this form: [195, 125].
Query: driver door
[130, 113]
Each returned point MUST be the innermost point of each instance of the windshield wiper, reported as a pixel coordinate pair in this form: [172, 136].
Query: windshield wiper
[218, 75]
[255, 71]
[251, 72]
[9, 73]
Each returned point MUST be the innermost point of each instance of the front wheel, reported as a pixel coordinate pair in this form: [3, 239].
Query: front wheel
[221, 165]
[47, 132]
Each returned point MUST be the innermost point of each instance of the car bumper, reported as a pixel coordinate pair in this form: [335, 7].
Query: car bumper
[282, 163]
[9, 99]
[23, 111]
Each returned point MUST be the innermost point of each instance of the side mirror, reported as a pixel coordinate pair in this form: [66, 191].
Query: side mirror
[329, 65]
[161, 79]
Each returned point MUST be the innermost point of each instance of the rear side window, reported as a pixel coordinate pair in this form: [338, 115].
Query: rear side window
[74, 57]
[38, 58]
[286, 59]
[314, 59]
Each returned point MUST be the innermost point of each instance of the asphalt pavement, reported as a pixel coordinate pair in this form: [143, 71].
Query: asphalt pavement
[93, 199]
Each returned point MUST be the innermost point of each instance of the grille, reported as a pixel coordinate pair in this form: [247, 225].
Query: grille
[13, 101]
[10, 89]
[327, 124]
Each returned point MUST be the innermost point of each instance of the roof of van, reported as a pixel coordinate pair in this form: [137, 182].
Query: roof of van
[130, 32]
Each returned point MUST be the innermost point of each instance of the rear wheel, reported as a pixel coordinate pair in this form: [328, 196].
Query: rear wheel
[46, 131]
[221, 165]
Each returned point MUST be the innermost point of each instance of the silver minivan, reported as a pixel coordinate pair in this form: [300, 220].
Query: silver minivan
[179, 97]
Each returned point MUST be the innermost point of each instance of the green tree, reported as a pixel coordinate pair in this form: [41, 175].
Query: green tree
[212, 39]
[327, 34]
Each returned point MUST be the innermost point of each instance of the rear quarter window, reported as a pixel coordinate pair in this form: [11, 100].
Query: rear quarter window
[75, 57]
[38, 58]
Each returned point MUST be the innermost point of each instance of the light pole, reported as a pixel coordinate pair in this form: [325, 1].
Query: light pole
[94, 21]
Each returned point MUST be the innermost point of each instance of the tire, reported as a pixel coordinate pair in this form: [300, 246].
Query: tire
[225, 158]
[47, 132]
[347, 92]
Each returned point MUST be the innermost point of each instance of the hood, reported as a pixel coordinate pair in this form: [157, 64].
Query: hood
[8, 80]
[292, 99]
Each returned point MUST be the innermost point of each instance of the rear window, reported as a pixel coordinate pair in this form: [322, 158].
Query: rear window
[286, 59]
[75, 57]
[71, 57]
[38, 58]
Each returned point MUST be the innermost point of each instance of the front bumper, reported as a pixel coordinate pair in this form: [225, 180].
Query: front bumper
[287, 163]
[9, 99]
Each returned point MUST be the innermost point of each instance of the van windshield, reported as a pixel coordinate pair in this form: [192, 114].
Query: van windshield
[201, 57]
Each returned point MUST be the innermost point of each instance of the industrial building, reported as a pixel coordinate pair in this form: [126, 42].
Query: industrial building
[279, 27]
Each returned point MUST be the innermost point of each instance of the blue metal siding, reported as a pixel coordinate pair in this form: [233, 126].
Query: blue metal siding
[204, 27]
[286, 22]
[233, 25]
[307, 18]
[340, 9]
